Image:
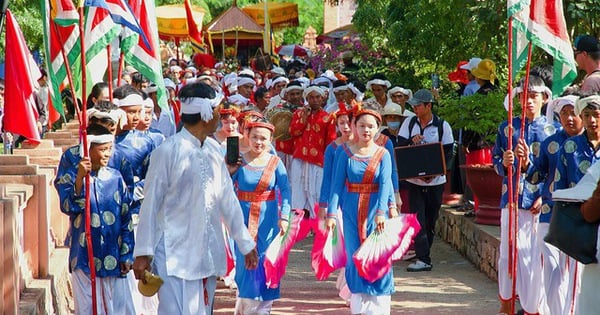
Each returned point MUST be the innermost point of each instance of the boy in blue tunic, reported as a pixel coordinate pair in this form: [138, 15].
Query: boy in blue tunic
[112, 232]
[537, 129]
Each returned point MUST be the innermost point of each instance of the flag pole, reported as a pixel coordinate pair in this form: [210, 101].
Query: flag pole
[511, 205]
[110, 73]
[120, 71]
[83, 124]
[69, 73]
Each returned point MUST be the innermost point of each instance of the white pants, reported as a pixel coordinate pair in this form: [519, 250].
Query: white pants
[182, 297]
[287, 161]
[105, 294]
[361, 303]
[588, 300]
[252, 307]
[529, 264]
[556, 280]
[305, 179]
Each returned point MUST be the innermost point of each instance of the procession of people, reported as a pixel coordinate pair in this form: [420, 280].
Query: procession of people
[221, 181]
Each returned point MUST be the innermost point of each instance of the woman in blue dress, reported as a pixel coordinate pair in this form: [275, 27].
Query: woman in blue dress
[362, 178]
[259, 176]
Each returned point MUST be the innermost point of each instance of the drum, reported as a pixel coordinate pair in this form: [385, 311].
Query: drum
[281, 119]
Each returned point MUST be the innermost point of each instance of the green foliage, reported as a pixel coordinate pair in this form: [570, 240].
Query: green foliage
[479, 113]
[28, 16]
[310, 13]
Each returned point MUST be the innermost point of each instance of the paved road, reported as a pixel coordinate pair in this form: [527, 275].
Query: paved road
[454, 286]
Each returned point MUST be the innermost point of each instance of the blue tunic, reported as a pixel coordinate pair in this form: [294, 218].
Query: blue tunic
[112, 229]
[252, 283]
[574, 158]
[536, 132]
[136, 148]
[351, 168]
[328, 164]
[543, 168]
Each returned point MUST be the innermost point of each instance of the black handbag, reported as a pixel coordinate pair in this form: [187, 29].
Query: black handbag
[570, 233]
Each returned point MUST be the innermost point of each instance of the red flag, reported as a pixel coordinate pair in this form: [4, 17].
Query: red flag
[194, 34]
[21, 114]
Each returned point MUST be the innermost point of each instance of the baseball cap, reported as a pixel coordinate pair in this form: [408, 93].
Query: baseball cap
[473, 62]
[421, 96]
[587, 43]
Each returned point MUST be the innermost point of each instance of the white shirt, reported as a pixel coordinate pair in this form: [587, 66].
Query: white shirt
[188, 193]
[430, 135]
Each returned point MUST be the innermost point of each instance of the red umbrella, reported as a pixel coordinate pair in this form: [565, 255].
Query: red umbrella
[293, 50]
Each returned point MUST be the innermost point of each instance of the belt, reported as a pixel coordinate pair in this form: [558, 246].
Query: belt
[252, 196]
[362, 188]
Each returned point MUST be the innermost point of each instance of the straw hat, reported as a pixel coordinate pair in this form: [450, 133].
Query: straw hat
[153, 283]
[485, 70]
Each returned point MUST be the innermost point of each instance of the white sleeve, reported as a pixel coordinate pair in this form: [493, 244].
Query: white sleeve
[154, 190]
[447, 137]
[404, 132]
[232, 215]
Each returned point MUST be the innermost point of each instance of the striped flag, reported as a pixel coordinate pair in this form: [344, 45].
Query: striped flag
[519, 11]
[122, 14]
[543, 23]
[194, 34]
[146, 59]
[61, 31]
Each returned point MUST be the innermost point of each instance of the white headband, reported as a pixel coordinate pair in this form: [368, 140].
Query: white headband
[279, 79]
[148, 103]
[100, 138]
[269, 84]
[340, 88]
[311, 89]
[583, 103]
[202, 106]
[129, 100]
[385, 83]
[238, 100]
[290, 88]
[535, 89]
[557, 105]
[400, 89]
[244, 80]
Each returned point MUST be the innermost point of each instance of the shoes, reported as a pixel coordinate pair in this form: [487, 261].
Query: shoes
[410, 255]
[469, 213]
[419, 266]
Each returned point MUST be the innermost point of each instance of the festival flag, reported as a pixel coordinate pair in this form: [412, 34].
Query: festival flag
[61, 35]
[21, 74]
[194, 34]
[543, 23]
[145, 59]
[518, 10]
[122, 14]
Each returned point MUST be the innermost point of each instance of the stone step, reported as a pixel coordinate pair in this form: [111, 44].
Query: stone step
[39, 152]
[44, 144]
[14, 159]
[72, 125]
[66, 142]
[46, 161]
[18, 169]
[63, 134]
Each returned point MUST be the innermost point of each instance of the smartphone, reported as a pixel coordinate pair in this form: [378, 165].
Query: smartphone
[435, 81]
[233, 150]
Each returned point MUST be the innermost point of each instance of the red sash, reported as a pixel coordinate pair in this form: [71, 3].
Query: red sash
[260, 194]
[364, 190]
[381, 140]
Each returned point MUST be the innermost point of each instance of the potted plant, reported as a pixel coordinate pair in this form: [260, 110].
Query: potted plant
[479, 117]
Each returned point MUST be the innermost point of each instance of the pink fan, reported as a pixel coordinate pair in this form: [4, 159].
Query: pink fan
[373, 259]
[276, 256]
[328, 252]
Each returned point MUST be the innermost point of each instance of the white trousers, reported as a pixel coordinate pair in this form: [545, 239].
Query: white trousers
[182, 297]
[556, 280]
[529, 262]
[252, 307]
[361, 303]
[588, 302]
[305, 179]
[107, 303]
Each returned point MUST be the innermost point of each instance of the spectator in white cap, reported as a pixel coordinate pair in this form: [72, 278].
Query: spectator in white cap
[400, 96]
[355, 93]
[190, 198]
[245, 87]
[341, 91]
[472, 86]
[378, 85]
[275, 87]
